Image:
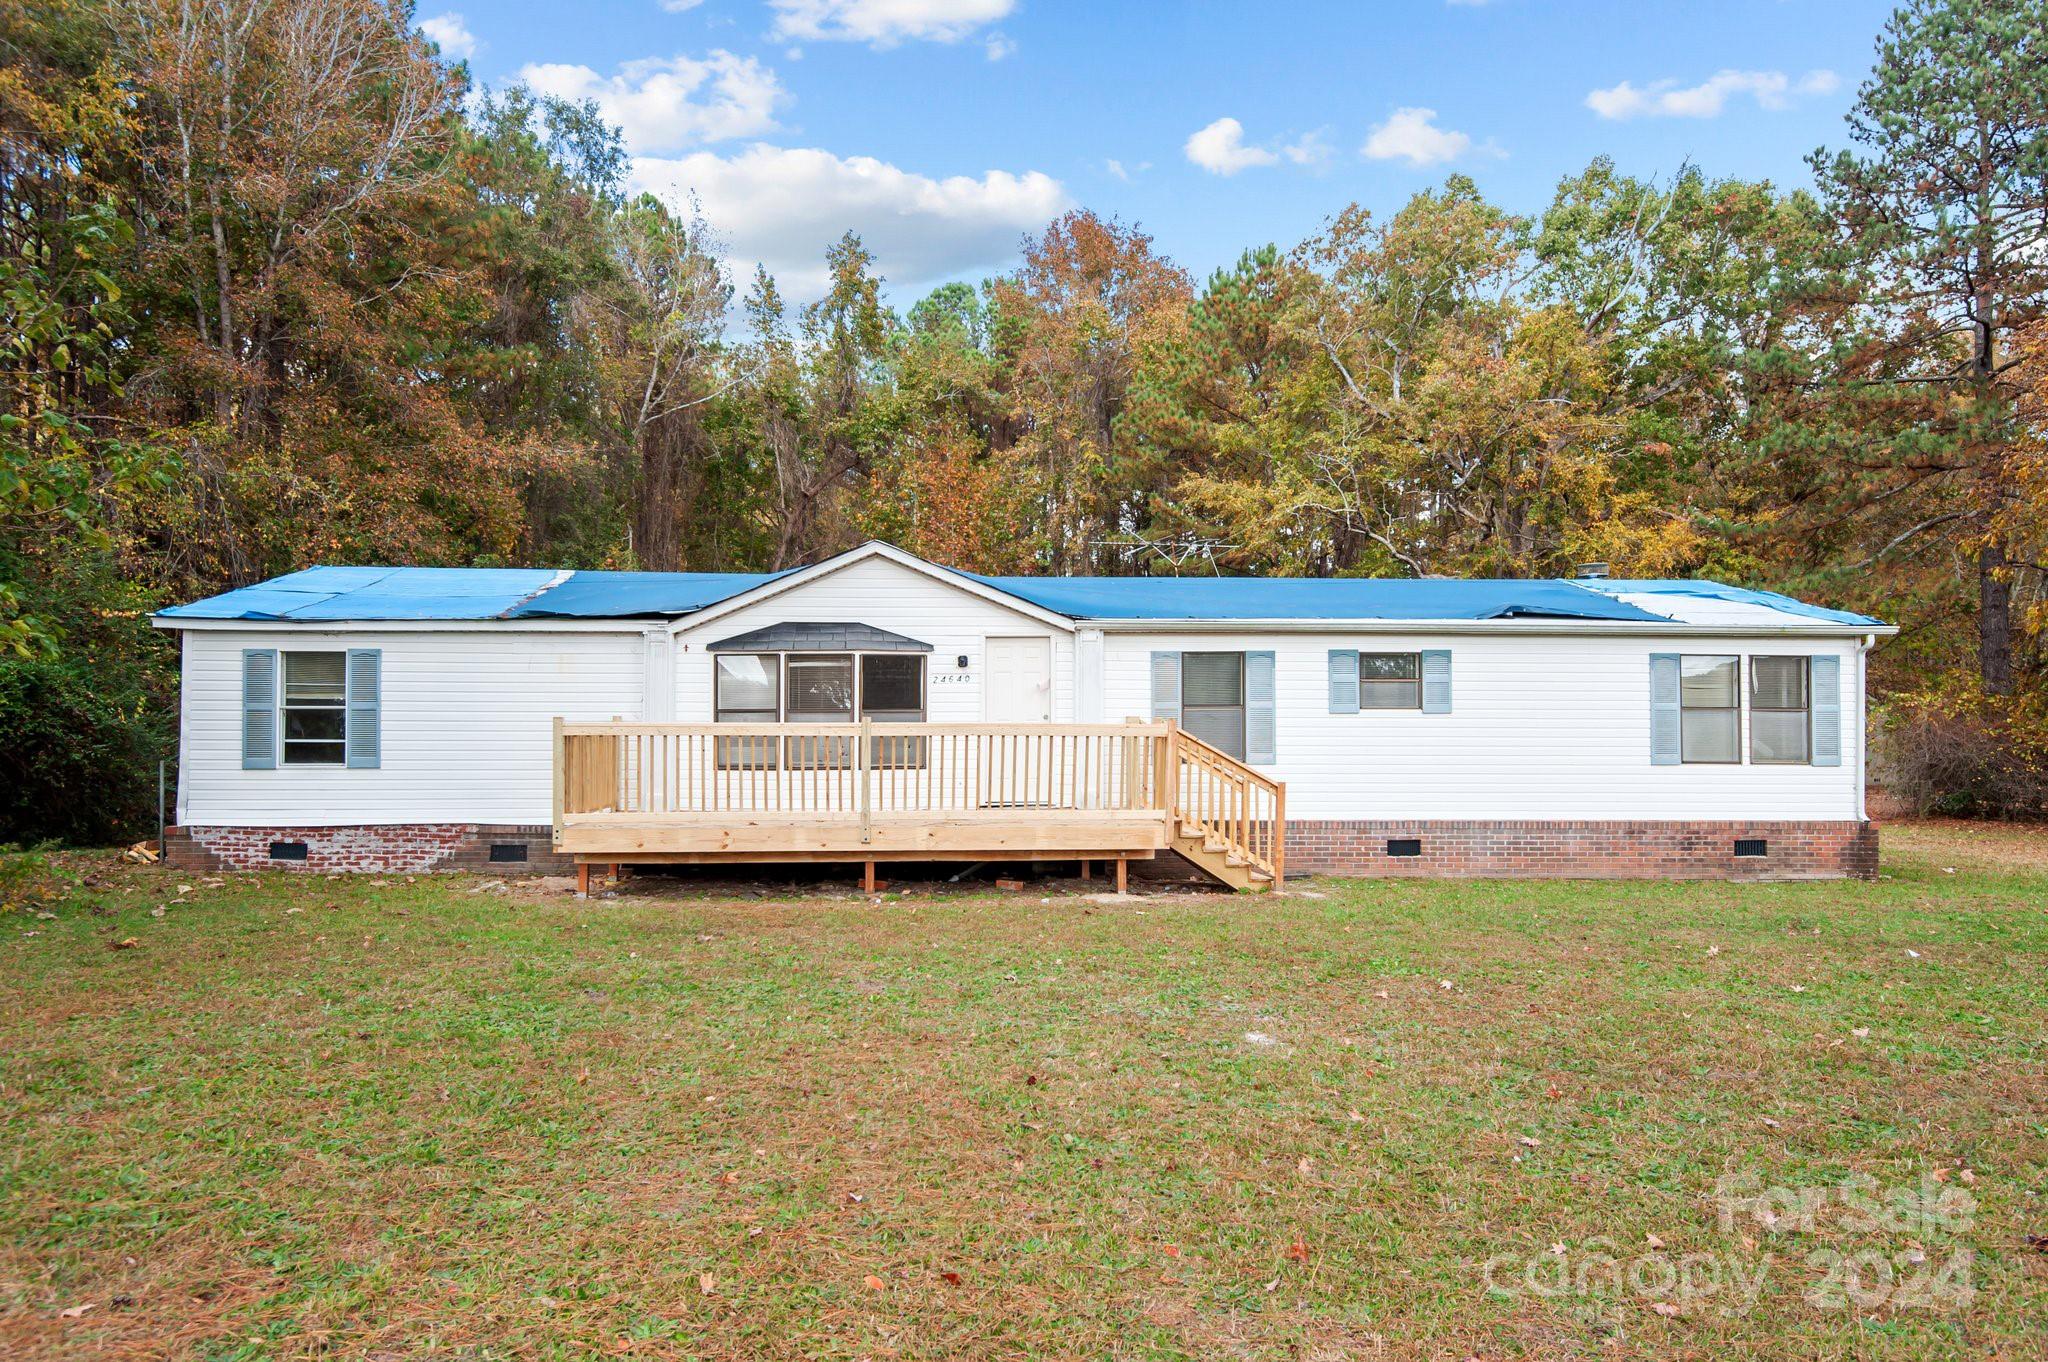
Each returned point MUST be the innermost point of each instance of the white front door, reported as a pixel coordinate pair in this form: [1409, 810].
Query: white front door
[1019, 686]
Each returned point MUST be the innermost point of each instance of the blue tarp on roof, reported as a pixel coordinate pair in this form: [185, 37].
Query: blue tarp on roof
[1347, 598]
[1717, 591]
[334, 594]
[358, 593]
[637, 595]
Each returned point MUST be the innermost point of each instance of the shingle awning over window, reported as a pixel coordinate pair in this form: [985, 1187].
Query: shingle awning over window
[819, 638]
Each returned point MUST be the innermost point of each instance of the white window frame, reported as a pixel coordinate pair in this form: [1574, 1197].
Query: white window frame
[1363, 682]
[285, 707]
[1740, 709]
[1751, 709]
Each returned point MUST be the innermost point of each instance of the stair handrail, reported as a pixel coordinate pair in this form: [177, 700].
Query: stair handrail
[1186, 749]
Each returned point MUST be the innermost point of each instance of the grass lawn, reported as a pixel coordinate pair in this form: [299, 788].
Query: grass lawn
[394, 1119]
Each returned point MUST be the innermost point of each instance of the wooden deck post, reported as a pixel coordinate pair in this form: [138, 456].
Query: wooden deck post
[1085, 868]
[1123, 883]
[561, 778]
[1279, 838]
[1165, 788]
[867, 878]
[582, 879]
[862, 767]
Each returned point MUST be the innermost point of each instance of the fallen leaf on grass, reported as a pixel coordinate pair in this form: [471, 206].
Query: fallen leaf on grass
[1861, 1032]
[1298, 1251]
[1664, 1308]
[706, 1283]
[1652, 1241]
[1529, 1142]
[75, 1312]
[1170, 1250]
[950, 1278]
[874, 1283]
[126, 943]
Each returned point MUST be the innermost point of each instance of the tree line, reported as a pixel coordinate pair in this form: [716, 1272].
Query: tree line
[281, 288]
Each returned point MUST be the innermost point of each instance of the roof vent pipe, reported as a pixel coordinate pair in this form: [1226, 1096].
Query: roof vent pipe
[1591, 572]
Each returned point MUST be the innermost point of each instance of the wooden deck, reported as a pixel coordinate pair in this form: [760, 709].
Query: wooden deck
[631, 793]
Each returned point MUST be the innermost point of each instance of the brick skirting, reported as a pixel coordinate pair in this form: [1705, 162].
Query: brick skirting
[1524, 849]
[387, 849]
[1604, 850]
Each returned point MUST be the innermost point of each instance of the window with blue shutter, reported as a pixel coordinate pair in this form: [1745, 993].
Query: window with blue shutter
[1664, 715]
[1343, 680]
[1166, 686]
[259, 709]
[1260, 721]
[1827, 711]
[1436, 681]
[365, 702]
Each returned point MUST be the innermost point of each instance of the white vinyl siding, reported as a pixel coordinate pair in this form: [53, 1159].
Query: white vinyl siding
[1543, 727]
[465, 720]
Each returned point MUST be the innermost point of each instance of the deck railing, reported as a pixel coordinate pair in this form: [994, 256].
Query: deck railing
[1222, 800]
[876, 770]
[880, 768]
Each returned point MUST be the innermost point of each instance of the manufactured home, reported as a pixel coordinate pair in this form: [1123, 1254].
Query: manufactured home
[876, 707]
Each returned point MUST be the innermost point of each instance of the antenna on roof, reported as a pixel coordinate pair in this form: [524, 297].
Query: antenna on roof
[1590, 572]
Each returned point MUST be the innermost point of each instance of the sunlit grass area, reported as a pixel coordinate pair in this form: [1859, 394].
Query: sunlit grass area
[289, 1116]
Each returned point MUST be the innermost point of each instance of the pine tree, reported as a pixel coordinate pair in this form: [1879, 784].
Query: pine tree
[1946, 196]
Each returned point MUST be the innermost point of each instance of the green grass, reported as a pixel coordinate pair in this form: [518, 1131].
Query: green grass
[309, 1117]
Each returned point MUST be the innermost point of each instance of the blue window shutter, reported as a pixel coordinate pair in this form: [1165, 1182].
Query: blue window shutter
[1166, 686]
[1664, 716]
[1260, 737]
[1436, 681]
[1825, 683]
[259, 709]
[1343, 680]
[365, 700]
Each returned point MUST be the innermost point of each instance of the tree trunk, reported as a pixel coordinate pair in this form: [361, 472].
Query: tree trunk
[1994, 621]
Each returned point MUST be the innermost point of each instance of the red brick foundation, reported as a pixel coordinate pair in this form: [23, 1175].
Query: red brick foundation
[388, 849]
[1605, 850]
[1532, 849]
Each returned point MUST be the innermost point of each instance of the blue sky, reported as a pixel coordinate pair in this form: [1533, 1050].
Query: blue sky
[943, 130]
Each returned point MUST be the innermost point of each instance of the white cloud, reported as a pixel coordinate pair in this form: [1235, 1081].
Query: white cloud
[449, 33]
[1220, 149]
[1412, 135]
[782, 206]
[672, 104]
[885, 23]
[1772, 90]
[680, 6]
[998, 46]
[1309, 149]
